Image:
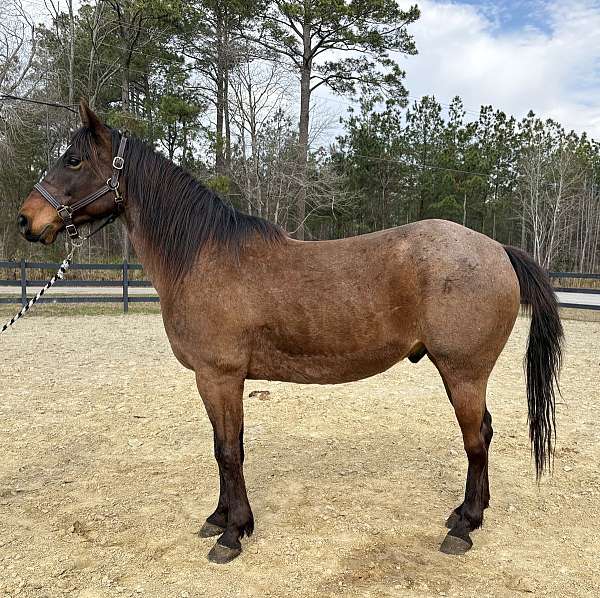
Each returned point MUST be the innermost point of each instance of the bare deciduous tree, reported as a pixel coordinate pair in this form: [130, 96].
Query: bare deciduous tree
[551, 178]
[18, 46]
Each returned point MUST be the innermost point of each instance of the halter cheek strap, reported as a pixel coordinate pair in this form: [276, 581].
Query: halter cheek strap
[112, 185]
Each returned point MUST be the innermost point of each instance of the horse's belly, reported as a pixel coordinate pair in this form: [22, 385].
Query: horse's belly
[327, 368]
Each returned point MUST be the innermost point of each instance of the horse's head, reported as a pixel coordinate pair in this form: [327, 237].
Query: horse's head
[83, 169]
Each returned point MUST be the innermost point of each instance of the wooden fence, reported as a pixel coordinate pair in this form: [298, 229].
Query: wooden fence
[21, 280]
[124, 284]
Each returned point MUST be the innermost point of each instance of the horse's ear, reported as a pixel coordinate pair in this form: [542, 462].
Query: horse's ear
[89, 118]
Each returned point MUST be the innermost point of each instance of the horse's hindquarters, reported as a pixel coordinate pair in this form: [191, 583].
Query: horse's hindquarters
[470, 302]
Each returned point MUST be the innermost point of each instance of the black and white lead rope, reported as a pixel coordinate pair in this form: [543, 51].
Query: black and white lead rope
[60, 274]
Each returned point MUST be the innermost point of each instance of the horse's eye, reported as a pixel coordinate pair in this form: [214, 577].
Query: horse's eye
[73, 161]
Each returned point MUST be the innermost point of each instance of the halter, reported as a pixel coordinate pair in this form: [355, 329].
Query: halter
[112, 185]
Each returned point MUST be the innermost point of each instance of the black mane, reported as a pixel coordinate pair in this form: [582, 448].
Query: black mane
[178, 215]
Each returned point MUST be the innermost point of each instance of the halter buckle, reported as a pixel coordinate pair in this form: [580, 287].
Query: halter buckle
[65, 212]
[118, 163]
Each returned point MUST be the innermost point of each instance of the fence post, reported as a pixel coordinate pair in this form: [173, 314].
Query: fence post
[23, 283]
[125, 286]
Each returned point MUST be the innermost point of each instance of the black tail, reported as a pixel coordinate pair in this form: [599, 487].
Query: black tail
[544, 354]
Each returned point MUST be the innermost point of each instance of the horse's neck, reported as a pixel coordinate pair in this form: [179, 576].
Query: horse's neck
[146, 254]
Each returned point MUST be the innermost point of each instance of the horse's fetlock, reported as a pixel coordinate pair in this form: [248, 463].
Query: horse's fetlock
[218, 518]
[474, 520]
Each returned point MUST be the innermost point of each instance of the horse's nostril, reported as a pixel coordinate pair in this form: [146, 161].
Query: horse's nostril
[23, 223]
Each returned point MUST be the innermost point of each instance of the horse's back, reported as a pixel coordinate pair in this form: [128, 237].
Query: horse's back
[428, 260]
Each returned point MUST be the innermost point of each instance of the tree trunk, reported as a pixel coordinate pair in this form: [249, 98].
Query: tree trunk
[523, 229]
[421, 207]
[148, 109]
[125, 88]
[226, 72]
[227, 120]
[184, 143]
[125, 243]
[303, 129]
[92, 87]
[219, 153]
[71, 54]
[220, 76]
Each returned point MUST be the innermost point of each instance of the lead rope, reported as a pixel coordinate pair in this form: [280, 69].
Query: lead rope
[60, 274]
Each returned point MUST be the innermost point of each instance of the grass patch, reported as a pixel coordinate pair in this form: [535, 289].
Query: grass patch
[581, 315]
[79, 309]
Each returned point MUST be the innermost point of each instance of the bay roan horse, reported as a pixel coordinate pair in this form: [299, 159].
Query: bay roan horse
[241, 299]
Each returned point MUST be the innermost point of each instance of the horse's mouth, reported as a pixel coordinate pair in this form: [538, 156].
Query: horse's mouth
[47, 235]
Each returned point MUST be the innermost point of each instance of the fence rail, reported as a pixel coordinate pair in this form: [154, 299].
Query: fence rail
[124, 284]
[577, 297]
[570, 297]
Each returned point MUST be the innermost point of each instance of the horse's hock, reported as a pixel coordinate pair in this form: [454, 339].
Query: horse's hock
[107, 474]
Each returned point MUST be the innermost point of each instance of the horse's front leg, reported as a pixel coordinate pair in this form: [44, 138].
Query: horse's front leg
[222, 397]
[216, 523]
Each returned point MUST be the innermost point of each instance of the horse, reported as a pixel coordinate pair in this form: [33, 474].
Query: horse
[241, 299]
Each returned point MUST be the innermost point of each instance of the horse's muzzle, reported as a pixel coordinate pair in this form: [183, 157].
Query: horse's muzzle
[25, 229]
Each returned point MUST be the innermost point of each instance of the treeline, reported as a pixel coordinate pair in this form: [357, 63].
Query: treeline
[226, 88]
[527, 183]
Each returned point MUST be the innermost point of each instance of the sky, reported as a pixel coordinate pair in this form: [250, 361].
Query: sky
[517, 55]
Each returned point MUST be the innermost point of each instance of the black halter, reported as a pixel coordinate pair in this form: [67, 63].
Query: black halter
[112, 184]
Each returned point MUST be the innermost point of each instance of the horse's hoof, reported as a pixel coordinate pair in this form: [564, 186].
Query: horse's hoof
[455, 545]
[452, 520]
[208, 530]
[222, 554]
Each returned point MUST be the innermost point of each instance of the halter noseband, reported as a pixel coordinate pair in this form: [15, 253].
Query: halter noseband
[112, 185]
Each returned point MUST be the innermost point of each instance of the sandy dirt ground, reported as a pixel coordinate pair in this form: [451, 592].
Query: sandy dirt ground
[106, 473]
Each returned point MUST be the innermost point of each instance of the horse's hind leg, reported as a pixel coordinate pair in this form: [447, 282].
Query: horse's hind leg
[487, 431]
[468, 400]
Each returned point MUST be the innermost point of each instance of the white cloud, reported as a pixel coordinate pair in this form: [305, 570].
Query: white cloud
[554, 70]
